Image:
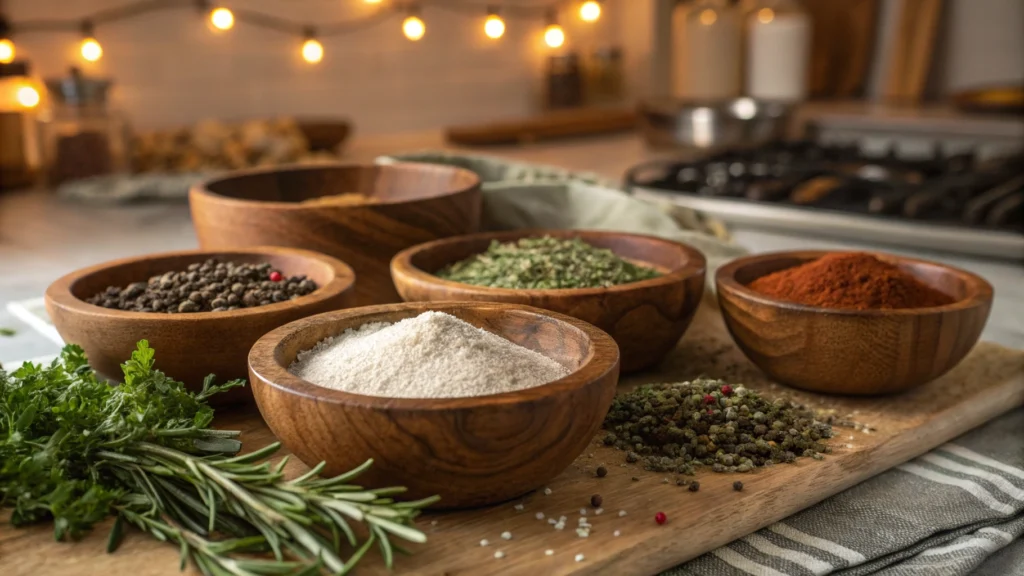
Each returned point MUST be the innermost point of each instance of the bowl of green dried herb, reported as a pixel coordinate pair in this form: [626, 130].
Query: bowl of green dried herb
[642, 290]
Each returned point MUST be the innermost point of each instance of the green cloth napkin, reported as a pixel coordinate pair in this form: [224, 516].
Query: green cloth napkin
[518, 195]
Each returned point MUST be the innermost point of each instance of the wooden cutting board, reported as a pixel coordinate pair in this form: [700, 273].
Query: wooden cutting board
[988, 383]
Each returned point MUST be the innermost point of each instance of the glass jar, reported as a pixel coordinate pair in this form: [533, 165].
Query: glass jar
[778, 50]
[604, 75]
[565, 83]
[81, 136]
[706, 40]
[20, 98]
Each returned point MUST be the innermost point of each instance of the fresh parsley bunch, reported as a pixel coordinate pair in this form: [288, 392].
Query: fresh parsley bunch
[76, 450]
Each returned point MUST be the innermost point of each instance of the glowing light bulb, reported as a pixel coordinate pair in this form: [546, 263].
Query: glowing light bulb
[28, 96]
[6, 51]
[312, 51]
[708, 17]
[222, 19]
[765, 15]
[414, 28]
[494, 26]
[590, 11]
[372, 1]
[91, 49]
[554, 36]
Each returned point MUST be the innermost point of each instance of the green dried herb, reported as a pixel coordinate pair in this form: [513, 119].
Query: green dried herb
[677, 427]
[546, 263]
[7, 331]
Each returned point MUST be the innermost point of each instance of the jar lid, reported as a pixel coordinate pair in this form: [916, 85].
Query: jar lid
[77, 90]
[19, 68]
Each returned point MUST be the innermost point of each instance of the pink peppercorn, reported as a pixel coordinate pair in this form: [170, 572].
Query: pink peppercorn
[275, 276]
[726, 389]
[660, 518]
[709, 399]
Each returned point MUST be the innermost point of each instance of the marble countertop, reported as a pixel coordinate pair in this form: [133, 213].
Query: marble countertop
[43, 237]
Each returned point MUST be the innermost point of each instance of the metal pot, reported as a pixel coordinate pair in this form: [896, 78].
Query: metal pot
[730, 123]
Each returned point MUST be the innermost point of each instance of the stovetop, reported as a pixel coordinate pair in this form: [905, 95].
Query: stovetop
[851, 193]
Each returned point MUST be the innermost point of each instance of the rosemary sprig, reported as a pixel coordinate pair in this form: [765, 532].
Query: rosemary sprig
[76, 450]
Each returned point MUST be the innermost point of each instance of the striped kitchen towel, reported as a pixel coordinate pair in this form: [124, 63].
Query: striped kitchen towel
[958, 509]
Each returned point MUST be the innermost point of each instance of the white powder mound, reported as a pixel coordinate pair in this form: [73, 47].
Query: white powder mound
[434, 355]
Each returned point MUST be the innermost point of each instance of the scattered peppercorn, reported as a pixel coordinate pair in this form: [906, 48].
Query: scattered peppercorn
[694, 486]
[210, 286]
[596, 500]
[737, 486]
[676, 428]
[660, 518]
[601, 471]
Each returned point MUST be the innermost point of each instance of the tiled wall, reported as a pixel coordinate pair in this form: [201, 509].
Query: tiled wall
[170, 69]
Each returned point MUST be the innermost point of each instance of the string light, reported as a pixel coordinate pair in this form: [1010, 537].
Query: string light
[554, 36]
[90, 47]
[413, 27]
[494, 26]
[312, 49]
[6, 51]
[765, 15]
[590, 11]
[222, 19]
[28, 96]
[708, 17]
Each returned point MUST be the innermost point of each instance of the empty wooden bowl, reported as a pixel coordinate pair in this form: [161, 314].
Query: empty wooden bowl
[411, 203]
[188, 346]
[470, 451]
[852, 351]
[645, 318]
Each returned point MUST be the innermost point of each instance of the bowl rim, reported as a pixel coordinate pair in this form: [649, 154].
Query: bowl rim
[265, 370]
[979, 291]
[401, 264]
[59, 292]
[202, 188]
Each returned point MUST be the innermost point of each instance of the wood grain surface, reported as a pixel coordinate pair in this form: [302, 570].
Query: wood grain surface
[470, 451]
[412, 203]
[988, 383]
[646, 318]
[852, 351]
[191, 345]
[548, 126]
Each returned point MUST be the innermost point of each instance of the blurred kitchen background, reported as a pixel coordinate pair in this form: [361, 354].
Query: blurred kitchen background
[897, 122]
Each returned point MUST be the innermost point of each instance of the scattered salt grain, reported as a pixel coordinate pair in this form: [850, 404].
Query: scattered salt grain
[598, 511]
[519, 507]
[622, 513]
[484, 542]
[433, 522]
[547, 491]
[616, 533]
[579, 557]
[552, 521]
[582, 533]
[549, 552]
[583, 511]
[506, 535]
[539, 515]
[499, 554]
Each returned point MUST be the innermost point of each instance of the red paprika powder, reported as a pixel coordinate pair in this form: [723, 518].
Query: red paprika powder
[854, 281]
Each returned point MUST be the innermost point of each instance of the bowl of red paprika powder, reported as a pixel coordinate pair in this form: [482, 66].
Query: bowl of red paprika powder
[852, 322]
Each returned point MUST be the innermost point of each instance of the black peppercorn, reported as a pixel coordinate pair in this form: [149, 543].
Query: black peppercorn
[601, 472]
[737, 486]
[694, 486]
[596, 500]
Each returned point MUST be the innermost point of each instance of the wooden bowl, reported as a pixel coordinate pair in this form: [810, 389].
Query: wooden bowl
[188, 346]
[852, 351]
[646, 318]
[415, 203]
[470, 451]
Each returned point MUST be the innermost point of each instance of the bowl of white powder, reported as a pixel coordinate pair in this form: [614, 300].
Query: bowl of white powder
[476, 402]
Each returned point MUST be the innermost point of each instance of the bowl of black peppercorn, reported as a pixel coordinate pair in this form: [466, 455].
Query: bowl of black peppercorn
[201, 311]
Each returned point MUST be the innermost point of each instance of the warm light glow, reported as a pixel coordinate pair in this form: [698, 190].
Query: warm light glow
[765, 15]
[28, 96]
[91, 50]
[494, 26]
[6, 51]
[372, 1]
[554, 36]
[312, 51]
[590, 11]
[708, 17]
[414, 28]
[222, 19]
